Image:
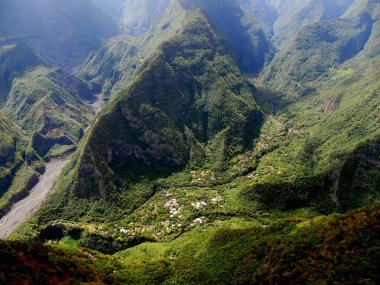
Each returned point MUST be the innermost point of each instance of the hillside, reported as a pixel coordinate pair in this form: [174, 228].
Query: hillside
[319, 47]
[10, 155]
[14, 61]
[111, 68]
[239, 143]
[155, 130]
[339, 248]
[49, 106]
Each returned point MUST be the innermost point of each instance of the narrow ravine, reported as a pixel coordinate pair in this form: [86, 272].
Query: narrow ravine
[25, 208]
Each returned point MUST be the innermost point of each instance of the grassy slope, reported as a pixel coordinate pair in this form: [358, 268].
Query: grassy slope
[158, 129]
[10, 155]
[337, 248]
[15, 176]
[324, 144]
[14, 61]
[49, 106]
[316, 48]
[110, 69]
[320, 133]
[293, 15]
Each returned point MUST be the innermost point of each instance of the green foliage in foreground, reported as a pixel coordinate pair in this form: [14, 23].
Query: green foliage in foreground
[292, 249]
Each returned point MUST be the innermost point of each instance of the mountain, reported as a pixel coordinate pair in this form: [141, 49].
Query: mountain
[49, 105]
[245, 37]
[320, 47]
[14, 61]
[57, 30]
[239, 144]
[263, 12]
[10, 156]
[169, 118]
[110, 69]
[295, 15]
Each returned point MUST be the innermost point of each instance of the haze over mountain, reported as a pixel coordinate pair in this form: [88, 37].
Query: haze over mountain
[55, 29]
[237, 142]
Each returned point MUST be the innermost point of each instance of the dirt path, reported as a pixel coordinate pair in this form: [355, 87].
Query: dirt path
[25, 208]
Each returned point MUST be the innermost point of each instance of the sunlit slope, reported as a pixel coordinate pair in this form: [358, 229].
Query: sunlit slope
[49, 105]
[189, 106]
[111, 68]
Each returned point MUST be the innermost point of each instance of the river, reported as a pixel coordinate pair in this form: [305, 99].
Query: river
[25, 208]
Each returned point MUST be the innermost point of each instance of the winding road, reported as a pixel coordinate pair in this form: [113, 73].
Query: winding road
[25, 208]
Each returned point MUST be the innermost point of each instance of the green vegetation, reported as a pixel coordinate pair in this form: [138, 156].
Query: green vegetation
[37, 263]
[315, 50]
[335, 248]
[248, 42]
[194, 173]
[48, 105]
[14, 61]
[10, 155]
[110, 70]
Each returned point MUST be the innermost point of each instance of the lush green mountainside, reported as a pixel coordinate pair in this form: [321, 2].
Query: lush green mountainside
[16, 177]
[189, 106]
[328, 131]
[14, 61]
[10, 154]
[293, 15]
[342, 249]
[48, 104]
[195, 173]
[247, 40]
[112, 67]
[318, 48]
[61, 32]
[49, 109]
